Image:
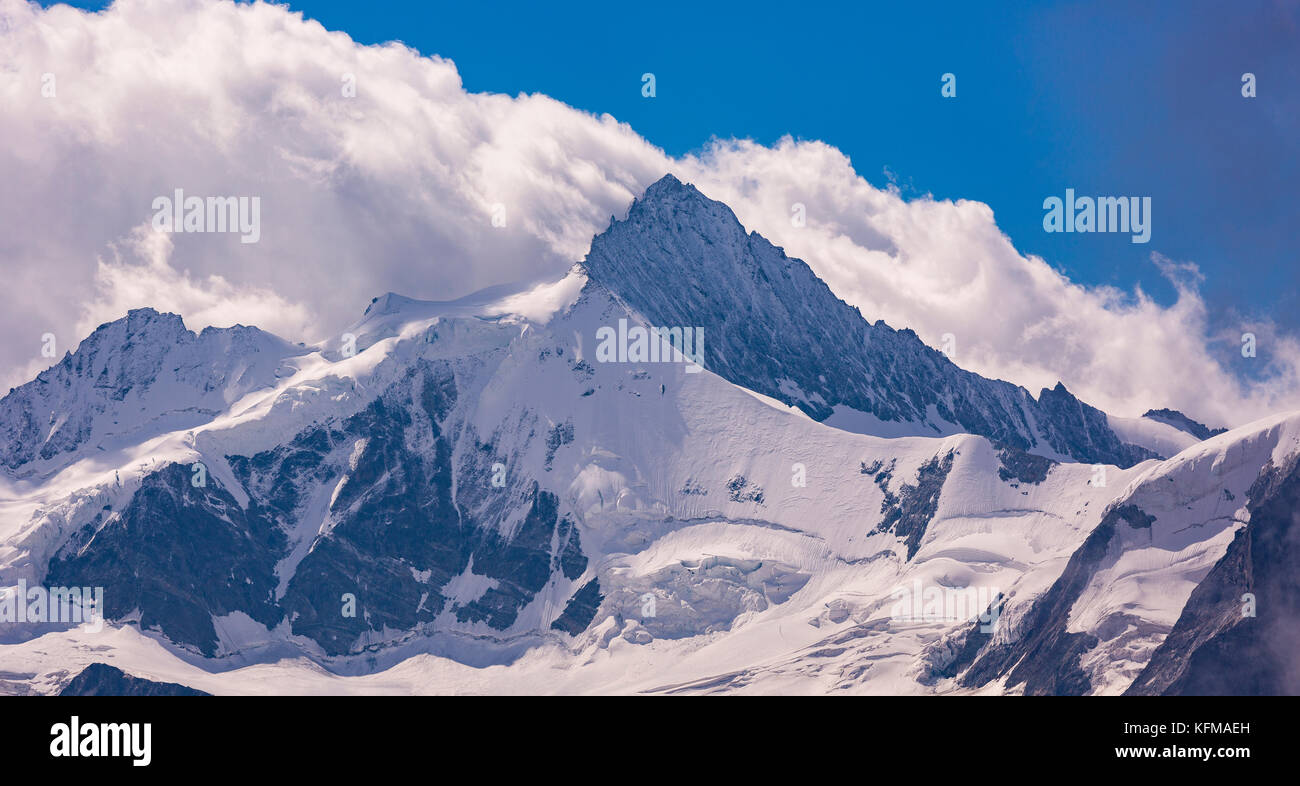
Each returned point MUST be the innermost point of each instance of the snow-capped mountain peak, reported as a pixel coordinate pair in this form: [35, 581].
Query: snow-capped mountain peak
[682, 259]
[476, 480]
[141, 375]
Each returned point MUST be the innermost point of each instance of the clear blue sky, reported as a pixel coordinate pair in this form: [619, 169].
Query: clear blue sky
[1119, 98]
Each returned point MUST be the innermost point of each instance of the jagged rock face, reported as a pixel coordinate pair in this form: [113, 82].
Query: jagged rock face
[1078, 430]
[1237, 635]
[1180, 421]
[1134, 608]
[1046, 659]
[179, 554]
[100, 679]
[392, 534]
[395, 535]
[907, 512]
[683, 260]
[1021, 466]
[139, 372]
[580, 610]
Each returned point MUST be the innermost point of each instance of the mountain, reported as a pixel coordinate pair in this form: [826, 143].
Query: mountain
[1180, 421]
[1235, 635]
[140, 376]
[772, 326]
[1138, 574]
[479, 495]
[100, 679]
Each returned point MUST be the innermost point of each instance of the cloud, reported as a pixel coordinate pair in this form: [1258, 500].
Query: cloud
[945, 267]
[396, 188]
[139, 271]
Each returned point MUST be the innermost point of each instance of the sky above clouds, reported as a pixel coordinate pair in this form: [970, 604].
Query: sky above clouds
[394, 190]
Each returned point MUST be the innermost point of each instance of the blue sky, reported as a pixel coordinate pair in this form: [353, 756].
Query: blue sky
[1107, 98]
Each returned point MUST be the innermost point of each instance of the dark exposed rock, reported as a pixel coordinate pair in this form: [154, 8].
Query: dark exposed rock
[179, 554]
[560, 435]
[394, 519]
[741, 490]
[524, 563]
[1216, 647]
[1180, 421]
[973, 641]
[770, 321]
[396, 536]
[907, 513]
[100, 679]
[1025, 467]
[581, 609]
[1134, 516]
[692, 489]
[1083, 432]
[1046, 658]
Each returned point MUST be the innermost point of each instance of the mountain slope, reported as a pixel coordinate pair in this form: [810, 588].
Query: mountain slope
[1102, 622]
[1236, 635]
[681, 259]
[477, 499]
[138, 376]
